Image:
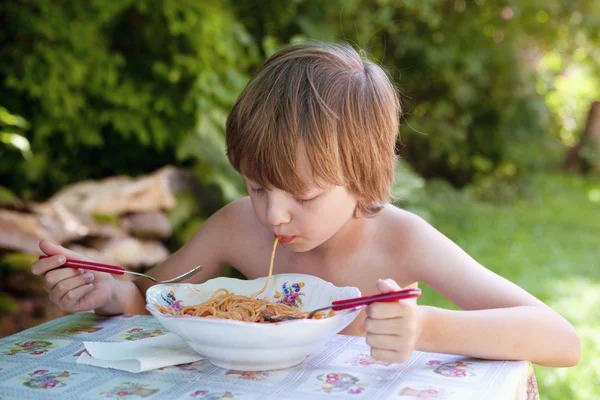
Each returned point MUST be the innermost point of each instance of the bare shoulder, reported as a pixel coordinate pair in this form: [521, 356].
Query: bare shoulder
[401, 226]
[239, 238]
[236, 231]
[416, 236]
[235, 213]
[426, 255]
[402, 237]
[217, 238]
[213, 245]
[230, 223]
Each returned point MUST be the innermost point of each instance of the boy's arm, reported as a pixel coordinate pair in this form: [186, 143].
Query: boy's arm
[500, 321]
[532, 333]
[208, 247]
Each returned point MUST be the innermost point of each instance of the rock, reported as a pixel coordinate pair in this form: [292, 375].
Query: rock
[127, 252]
[150, 225]
[94, 219]
[122, 194]
[92, 209]
[135, 253]
[22, 231]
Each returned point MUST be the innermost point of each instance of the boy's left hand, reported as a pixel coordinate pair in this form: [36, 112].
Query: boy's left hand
[392, 327]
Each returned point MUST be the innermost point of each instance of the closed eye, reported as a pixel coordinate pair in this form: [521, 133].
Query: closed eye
[304, 201]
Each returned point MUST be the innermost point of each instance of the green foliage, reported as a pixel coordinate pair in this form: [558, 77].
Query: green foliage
[7, 304]
[10, 264]
[124, 87]
[546, 243]
[7, 197]
[16, 261]
[465, 69]
[184, 218]
[569, 69]
[590, 153]
[105, 219]
[100, 89]
[406, 182]
[408, 189]
[14, 149]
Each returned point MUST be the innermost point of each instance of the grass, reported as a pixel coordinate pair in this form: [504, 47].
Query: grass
[549, 244]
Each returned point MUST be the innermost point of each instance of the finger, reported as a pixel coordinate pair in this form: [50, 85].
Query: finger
[40, 267]
[388, 310]
[390, 285]
[387, 285]
[66, 285]
[390, 355]
[386, 342]
[52, 249]
[72, 299]
[393, 326]
[58, 277]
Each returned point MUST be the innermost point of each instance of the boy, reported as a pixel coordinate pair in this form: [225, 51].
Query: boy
[314, 134]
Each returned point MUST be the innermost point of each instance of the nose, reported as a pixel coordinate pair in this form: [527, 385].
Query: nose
[277, 212]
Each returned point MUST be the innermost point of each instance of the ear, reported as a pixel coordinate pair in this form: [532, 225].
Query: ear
[357, 213]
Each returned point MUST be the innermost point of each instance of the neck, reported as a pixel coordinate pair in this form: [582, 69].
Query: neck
[344, 243]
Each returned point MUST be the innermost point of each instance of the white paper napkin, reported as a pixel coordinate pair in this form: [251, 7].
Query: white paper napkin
[139, 355]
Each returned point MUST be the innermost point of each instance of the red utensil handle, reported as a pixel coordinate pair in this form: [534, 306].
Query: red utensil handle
[383, 297]
[92, 266]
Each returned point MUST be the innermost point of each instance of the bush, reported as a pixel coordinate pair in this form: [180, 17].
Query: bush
[118, 88]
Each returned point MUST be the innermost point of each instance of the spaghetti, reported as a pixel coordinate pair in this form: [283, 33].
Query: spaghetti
[223, 304]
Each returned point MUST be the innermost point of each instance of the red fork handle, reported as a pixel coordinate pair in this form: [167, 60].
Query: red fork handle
[92, 266]
[384, 297]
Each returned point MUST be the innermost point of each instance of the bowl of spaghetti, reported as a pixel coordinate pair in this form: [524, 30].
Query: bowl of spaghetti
[222, 319]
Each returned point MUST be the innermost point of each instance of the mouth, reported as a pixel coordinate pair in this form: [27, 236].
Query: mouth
[286, 239]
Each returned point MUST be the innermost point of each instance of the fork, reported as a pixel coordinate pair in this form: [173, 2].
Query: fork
[356, 302]
[117, 270]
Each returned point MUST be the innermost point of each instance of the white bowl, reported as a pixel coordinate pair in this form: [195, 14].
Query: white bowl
[251, 346]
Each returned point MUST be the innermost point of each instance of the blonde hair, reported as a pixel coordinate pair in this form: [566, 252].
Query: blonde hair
[326, 100]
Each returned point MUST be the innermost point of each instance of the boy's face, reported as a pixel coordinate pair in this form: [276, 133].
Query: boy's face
[302, 222]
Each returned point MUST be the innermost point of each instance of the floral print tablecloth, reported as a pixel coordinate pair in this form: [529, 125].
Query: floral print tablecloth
[40, 363]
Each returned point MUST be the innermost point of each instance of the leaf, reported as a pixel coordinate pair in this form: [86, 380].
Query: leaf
[7, 197]
[7, 118]
[16, 140]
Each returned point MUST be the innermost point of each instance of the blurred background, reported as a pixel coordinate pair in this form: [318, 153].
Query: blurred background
[112, 133]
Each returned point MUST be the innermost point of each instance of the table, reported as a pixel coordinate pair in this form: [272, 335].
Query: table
[39, 363]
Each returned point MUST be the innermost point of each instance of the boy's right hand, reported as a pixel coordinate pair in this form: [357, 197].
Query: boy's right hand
[72, 289]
